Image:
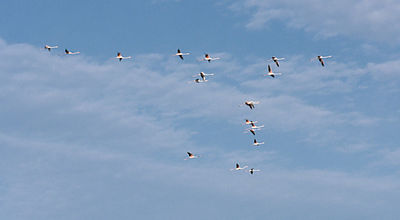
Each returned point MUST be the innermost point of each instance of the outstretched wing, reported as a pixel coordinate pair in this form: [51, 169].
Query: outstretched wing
[322, 61]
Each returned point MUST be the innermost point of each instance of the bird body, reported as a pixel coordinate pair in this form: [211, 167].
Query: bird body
[248, 122]
[321, 59]
[120, 57]
[255, 143]
[191, 156]
[272, 74]
[275, 59]
[237, 167]
[252, 170]
[208, 58]
[47, 47]
[180, 54]
[71, 53]
[251, 104]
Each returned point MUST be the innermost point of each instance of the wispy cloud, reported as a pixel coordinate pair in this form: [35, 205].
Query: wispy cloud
[77, 131]
[356, 19]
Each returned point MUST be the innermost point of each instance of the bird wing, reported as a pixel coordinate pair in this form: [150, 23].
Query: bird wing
[322, 61]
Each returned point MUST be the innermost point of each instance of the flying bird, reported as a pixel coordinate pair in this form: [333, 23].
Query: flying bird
[71, 53]
[191, 156]
[180, 54]
[251, 103]
[248, 122]
[252, 170]
[255, 143]
[320, 59]
[209, 59]
[272, 74]
[237, 167]
[255, 127]
[275, 59]
[199, 81]
[203, 75]
[47, 47]
[120, 57]
[252, 131]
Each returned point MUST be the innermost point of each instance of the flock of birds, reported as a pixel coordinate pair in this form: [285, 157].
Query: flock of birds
[251, 104]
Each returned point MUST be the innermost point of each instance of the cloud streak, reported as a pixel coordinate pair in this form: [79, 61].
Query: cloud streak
[76, 131]
[355, 19]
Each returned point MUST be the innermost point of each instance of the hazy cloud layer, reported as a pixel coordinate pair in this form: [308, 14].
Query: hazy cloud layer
[356, 19]
[75, 132]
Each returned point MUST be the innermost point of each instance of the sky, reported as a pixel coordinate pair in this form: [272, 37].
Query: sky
[88, 137]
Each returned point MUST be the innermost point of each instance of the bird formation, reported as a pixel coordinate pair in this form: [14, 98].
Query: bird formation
[250, 103]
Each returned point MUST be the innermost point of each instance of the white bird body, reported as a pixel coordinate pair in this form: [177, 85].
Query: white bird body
[191, 156]
[248, 122]
[275, 59]
[320, 59]
[208, 58]
[200, 81]
[251, 103]
[203, 75]
[47, 47]
[255, 143]
[272, 74]
[180, 54]
[71, 53]
[120, 57]
[257, 127]
[252, 170]
[237, 167]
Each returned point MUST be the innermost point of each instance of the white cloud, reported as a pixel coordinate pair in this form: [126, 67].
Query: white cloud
[76, 132]
[356, 19]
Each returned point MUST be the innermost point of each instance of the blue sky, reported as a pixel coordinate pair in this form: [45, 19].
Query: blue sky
[88, 137]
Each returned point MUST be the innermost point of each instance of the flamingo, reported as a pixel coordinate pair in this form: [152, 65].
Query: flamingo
[252, 131]
[252, 170]
[71, 53]
[320, 59]
[237, 167]
[199, 81]
[203, 75]
[180, 54]
[47, 47]
[272, 74]
[191, 156]
[255, 143]
[253, 126]
[248, 122]
[251, 103]
[209, 59]
[275, 59]
[120, 57]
